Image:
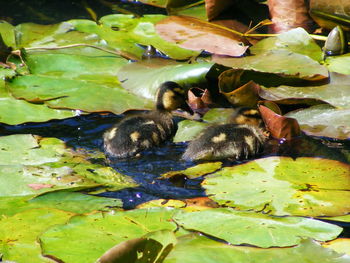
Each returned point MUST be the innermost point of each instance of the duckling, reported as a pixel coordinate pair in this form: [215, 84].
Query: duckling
[240, 139]
[143, 131]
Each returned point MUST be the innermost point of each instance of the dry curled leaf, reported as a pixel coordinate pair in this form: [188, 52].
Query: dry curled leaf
[279, 126]
[196, 34]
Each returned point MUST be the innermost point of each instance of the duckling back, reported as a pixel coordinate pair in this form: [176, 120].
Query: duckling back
[229, 141]
[143, 131]
[137, 133]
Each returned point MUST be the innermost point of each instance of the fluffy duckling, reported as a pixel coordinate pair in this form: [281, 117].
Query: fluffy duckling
[142, 131]
[240, 139]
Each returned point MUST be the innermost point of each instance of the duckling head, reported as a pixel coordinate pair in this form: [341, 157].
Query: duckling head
[170, 97]
[245, 115]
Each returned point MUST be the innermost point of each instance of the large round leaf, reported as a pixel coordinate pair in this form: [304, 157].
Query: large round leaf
[280, 62]
[145, 77]
[196, 34]
[18, 233]
[45, 165]
[256, 229]
[195, 248]
[296, 40]
[102, 231]
[324, 120]
[340, 64]
[13, 111]
[76, 94]
[335, 94]
[68, 201]
[283, 186]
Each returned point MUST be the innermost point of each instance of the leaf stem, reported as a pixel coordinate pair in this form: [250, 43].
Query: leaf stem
[114, 52]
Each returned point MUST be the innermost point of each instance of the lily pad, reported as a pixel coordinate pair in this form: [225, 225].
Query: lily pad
[196, 34]
[76, 94]
[101, 231]
[195, 248]
[13, 111]
[35, 35]
[188, 130]
[18, 235]
[195, 171]
[124, 33]
[45, 165]
[94, 66]
[152, 247]
[296, 40]
[142, 31]
[283, 186]
[281, 62]
[334, 94]
[256, 229]
[324, 120]
[145, 77]
[7, 32]
[68, 201]
[340, 245]
[340, 64]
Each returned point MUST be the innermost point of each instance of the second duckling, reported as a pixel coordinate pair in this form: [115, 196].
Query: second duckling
[142, 131]
[241, 139]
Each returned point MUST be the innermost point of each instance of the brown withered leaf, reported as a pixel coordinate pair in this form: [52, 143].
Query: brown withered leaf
[196, 34]
[288, 14]
[279, 126]
[200, 203]
[199, 100]
[239, 96]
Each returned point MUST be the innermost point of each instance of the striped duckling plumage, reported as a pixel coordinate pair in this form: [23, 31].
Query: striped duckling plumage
[140, 132]
[240, 139]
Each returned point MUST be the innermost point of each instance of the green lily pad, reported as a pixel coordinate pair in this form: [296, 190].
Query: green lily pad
[195, 248]
[45, 165]
[296, 40]
[18, 235]
[256, 229]
[7, 32]
[152, 247]
[340, 245]
[142, 31]
[283, 186]
[188, 130]
[13, 111]
[145, 77]
[195, 171]
[94, 66]
[76, 94]
[340, 64]
[324, 120]
[35, 35]
[101, 231]
[68, 201]
[218, 115]
[335, 94]
[281, 62]
[124, 32]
